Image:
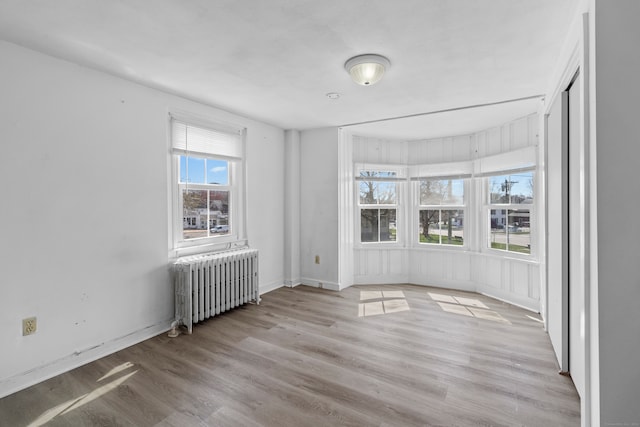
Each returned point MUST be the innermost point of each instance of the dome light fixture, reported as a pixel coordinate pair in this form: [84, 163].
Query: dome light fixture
[368, 69]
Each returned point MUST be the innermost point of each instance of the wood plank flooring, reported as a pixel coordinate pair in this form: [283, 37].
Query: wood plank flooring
[394, 355]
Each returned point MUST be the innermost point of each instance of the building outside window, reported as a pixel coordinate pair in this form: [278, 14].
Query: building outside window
[204, 188]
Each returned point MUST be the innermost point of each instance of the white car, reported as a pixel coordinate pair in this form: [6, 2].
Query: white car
[220, 229]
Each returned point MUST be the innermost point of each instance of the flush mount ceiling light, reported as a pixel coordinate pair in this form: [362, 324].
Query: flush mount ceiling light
[367, 70]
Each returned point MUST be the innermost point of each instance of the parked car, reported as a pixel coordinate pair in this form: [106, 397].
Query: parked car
[220, 229]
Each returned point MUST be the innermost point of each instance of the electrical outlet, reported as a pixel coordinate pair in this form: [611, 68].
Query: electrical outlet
[29, 326]
[317, 259]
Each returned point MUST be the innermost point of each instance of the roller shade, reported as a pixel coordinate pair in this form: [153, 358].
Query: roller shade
[190, 139]
[506, 172]
[441, 177]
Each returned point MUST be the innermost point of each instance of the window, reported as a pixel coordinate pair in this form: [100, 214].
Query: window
[378, 203]
[441, 211]
[204, 190]
[206, 198]
[509, 211]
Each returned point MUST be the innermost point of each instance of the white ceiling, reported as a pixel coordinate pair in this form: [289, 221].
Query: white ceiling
[276, 60]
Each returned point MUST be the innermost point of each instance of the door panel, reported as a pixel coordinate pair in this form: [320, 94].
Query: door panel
[557, 230]
[576, 239]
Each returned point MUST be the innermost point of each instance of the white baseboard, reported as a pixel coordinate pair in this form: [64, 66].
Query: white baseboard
[459, 285]
[270, 287]
[380, 280]
[292, 283]
[509, 298]
[319, 283]
[38, 374]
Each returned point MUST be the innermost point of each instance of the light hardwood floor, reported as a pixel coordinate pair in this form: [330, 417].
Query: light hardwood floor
[396, 355]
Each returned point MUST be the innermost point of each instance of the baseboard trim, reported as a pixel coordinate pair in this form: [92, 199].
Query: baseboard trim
[292, 283]
[509, 299]
[380, 280]
[78, 358]
[319, 283]
[270, 287]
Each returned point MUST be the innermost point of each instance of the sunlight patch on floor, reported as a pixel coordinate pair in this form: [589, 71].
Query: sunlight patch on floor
[472, 302]
[77, 402]
[535, 319]
[389, 302]
[469, 307]
[115, 370]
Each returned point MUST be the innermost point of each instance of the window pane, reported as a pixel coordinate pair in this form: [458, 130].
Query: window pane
[499, 189]
[456, 196]
[431, 192]
[183, 169]
[194, 214]
[518, 231]
[219, 212]
[195, 170]
[369, 225]
[522, 188]
[378, 174]
[217, 172]
[442, 191]
[386, 194]
[387, 225]
[510, 230]
[516, 188]
[429, 228]
[498, 238]
[367, 192]
[377, 192]
[451, 227]
[386, 174]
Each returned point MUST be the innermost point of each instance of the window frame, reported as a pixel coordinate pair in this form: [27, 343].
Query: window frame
[489, 206]
[419, 207]
[235, 186]
[399, 180]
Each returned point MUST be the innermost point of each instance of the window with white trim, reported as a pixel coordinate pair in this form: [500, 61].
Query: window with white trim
[207, 183]
[441, 211]
[378, 197]
[509, 209]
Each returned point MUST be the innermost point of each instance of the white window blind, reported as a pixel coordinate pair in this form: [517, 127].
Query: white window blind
[190, 139]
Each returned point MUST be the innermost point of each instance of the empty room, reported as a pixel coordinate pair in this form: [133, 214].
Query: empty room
[294, 213]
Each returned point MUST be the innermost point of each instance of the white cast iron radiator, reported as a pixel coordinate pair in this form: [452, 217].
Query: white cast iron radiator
[210, 284]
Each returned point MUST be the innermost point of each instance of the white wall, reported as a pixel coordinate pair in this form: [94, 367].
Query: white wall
[319, 207]
[615, 67]
[292, 208]
[84, 212]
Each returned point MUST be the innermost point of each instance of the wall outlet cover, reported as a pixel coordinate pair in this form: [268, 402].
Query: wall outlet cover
[29, 326]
